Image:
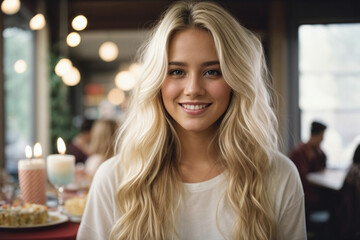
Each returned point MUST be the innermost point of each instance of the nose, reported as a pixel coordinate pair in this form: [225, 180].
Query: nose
[194, 86]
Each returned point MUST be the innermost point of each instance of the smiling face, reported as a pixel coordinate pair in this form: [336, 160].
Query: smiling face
[194, 92]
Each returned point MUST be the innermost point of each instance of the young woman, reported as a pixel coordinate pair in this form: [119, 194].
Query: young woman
[198, 155]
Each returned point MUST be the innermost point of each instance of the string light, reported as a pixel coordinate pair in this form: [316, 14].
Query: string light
[108, 51]
[63, 66]
[73, 39]
[37, 22]
[72, 77]
[79, 23]
[10, 7]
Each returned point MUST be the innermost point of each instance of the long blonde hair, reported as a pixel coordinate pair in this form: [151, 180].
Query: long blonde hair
[149, 194]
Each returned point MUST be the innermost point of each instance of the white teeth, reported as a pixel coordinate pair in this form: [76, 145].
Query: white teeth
[194, 107]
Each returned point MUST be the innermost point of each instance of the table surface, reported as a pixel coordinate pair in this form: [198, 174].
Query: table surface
[328, 178]
[64, 231]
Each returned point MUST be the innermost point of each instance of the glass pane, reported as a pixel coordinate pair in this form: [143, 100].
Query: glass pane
[19, 107]
[329, 86]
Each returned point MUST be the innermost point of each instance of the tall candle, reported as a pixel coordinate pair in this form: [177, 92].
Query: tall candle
[61, 167]
[32, 177]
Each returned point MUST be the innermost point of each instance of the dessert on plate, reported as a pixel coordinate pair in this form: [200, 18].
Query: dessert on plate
[26, 215]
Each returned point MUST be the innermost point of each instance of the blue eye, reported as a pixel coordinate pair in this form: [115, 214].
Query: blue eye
[213, 73]
[176, 72]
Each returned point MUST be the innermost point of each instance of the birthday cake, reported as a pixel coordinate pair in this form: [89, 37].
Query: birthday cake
[28, 214]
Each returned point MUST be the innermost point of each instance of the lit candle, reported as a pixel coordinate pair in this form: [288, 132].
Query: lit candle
[37, 150]
[32, 176]
[61, 167]
[28, 152]
[30, 163]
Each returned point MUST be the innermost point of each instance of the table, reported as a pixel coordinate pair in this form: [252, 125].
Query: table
[328, 178]
[64, 231]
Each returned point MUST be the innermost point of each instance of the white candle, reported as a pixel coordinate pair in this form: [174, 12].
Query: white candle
[61, 167]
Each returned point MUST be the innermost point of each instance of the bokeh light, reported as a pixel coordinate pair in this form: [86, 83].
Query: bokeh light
[79, 23]
[20, 66]
[10, 7]
[73, 39]
[108, 51]
[116, 96]
[37, 22]
[72, 77]
[125, 80]
[63, 66]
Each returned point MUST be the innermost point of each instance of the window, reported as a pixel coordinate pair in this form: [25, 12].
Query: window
[19, 92]
[329, 87]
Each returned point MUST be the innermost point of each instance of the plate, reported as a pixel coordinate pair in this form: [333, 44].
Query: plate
[55, 219]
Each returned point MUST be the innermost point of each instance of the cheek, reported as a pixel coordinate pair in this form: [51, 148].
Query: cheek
[169, 91]
[222, 93]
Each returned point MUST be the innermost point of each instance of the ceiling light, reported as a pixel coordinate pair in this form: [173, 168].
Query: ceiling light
[63, 66]
[37, 22]
[79, 23]
[73, 39]
[20, 66]
[10, 6]
[108, 51]
[116, 96]
[72, 77]
[125, 80]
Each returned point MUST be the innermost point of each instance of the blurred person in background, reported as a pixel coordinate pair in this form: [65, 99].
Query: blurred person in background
[102, 142]
[347, 219]
[309, 157]
[79, 145]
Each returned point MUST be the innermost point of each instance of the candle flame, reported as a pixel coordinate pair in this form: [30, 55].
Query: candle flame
[28, 152]
[61, 146]
[37, 150]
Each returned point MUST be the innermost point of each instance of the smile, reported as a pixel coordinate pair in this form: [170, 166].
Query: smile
[194, 106]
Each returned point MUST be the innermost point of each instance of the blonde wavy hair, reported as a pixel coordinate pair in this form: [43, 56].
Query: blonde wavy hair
[148, 146]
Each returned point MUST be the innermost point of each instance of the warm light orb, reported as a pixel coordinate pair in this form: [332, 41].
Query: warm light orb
[37, 22]
[108, 51]
[135, 68]
[61, 145]
[73, 39]
[28, 152]
[63, 66]
[20, 66]
[10, 7]
[125, 80]
[116, 96]
[72, 77]
[37, 150]
[79, 23]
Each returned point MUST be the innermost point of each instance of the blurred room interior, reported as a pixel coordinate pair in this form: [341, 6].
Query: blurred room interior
[36, 105]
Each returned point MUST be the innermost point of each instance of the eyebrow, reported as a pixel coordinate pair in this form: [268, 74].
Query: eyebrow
[206, 64]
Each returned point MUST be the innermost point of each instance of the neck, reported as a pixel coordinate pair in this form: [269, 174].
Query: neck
[199, 160]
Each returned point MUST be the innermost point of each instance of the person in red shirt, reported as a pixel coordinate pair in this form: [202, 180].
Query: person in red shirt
[309, 157]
